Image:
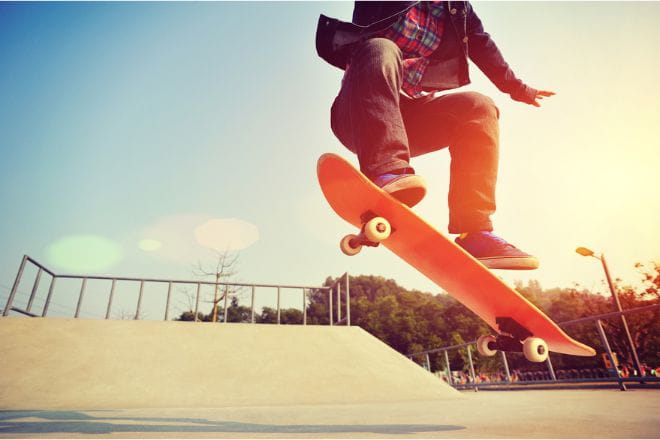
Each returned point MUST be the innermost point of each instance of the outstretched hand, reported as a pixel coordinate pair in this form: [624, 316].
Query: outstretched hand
[540, 94]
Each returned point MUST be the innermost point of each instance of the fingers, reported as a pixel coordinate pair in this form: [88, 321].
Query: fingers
[540, 95]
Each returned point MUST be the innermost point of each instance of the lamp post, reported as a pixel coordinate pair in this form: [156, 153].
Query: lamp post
[589, 253]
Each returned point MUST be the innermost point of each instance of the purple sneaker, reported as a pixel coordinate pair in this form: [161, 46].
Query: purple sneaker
[409, 189]
[496, 253]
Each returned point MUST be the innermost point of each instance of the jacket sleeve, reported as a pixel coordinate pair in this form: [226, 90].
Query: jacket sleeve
[485, 54]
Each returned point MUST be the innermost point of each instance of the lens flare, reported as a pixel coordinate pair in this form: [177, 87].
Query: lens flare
[84, 253]
[226, 234]
[150, 245]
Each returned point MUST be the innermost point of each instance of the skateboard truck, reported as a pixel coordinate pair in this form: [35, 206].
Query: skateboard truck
[510, 326]
[513, 337]
[374, 230]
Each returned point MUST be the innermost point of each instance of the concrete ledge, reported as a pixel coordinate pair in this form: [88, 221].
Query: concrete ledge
[50, 363]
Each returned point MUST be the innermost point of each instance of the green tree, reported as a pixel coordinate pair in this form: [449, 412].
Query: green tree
[645, 326]
[413, 321]
[287, 316]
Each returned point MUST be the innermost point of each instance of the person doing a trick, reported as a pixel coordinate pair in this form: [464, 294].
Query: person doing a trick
[396, 56]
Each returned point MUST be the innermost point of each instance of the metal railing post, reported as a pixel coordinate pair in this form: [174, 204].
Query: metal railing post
[606, 344]
[252, 307]
[197, 301]
[506, 367]
[472, 373]
[50, 294]
[80, 298]
[167, 304]
[551, 369]
[112, 294]
[428, 363]
[226, 313]
[304, 291]
[14, 288]
[330, 304]
[449, 379]
[139, 303]
[278, 305]
[348, 302]
[35, 286]
[338, 301]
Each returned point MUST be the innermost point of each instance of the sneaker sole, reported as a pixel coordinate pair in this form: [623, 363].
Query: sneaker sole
[511, 263]
[408, 190]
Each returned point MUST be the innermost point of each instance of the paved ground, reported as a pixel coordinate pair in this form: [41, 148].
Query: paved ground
[486, 414]
[117, 379]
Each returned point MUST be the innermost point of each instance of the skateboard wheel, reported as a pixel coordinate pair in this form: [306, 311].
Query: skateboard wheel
[535, 349]
[350, 245]
[483, 345]
[377, 229]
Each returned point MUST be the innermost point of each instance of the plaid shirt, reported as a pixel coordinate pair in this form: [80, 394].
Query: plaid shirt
[418, 35]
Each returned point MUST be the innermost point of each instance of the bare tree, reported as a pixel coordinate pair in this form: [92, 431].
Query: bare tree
[190, 298]
[224, 270]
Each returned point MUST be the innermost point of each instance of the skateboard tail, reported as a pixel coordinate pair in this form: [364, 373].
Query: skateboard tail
[558, 341]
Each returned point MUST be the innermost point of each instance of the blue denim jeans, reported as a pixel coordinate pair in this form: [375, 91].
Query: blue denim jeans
[385, 129]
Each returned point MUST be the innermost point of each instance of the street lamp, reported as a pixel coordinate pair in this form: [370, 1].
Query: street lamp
[589, 253]
[585, 252]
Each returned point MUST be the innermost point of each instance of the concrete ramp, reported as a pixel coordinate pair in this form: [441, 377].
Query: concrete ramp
[50, 363]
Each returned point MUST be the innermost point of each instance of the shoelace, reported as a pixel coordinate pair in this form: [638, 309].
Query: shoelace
[499, 240]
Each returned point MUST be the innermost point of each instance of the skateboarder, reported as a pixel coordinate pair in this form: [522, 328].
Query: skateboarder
[396, 55]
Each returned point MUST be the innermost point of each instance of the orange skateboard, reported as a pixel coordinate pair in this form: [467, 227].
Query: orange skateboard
[519, 325]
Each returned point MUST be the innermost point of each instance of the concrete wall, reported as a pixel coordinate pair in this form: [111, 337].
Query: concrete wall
[94, 364]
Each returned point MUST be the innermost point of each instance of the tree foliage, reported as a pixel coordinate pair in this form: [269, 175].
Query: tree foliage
[411, 321]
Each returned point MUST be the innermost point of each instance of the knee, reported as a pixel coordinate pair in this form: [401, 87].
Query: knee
[379, 51]
[479, 125]
[482, 107]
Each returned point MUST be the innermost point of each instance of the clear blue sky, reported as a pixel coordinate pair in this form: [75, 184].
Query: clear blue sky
[136, 121]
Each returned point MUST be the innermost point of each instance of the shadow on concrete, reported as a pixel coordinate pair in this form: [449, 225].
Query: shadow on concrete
[50, 422]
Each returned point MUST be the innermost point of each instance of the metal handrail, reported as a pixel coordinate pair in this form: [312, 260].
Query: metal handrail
[601, 332]
[161, 280]
[170, 282]
[609, 315]
[337, 285]
[561, 324]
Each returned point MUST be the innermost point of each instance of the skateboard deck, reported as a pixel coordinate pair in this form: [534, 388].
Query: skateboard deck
[356, 199]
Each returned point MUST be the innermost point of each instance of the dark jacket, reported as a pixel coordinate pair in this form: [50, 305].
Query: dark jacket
[464, 38]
